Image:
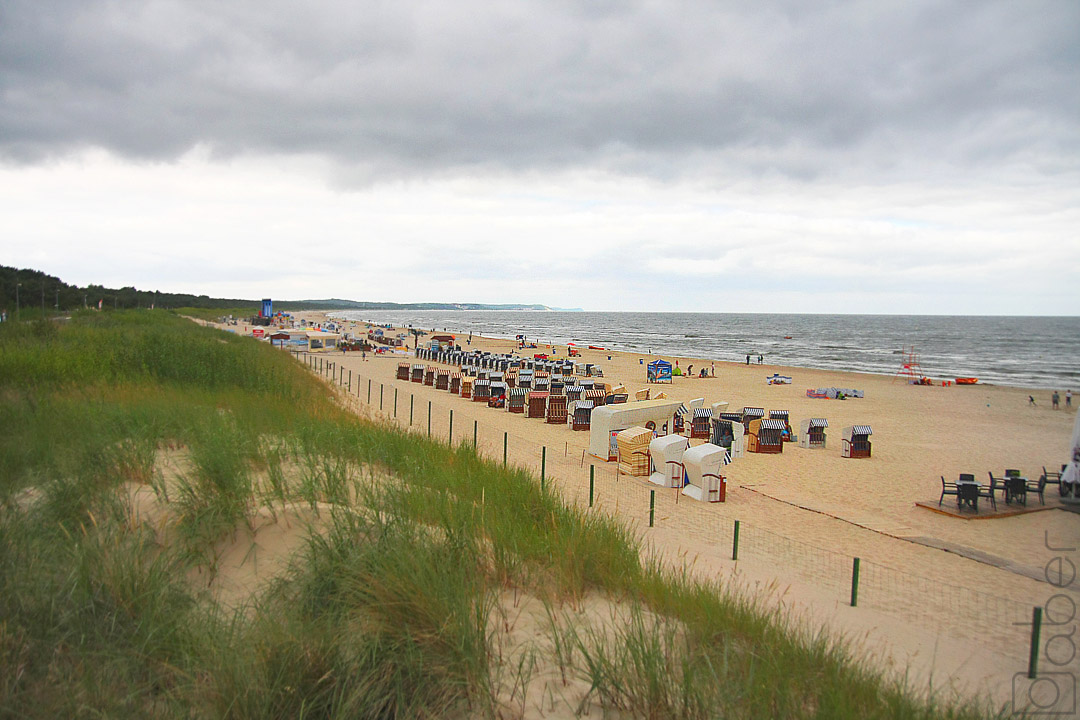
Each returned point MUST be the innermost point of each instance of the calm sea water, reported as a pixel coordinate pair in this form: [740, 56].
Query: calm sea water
[1035, 352]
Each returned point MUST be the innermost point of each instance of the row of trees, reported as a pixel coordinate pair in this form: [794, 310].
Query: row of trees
[23, 290]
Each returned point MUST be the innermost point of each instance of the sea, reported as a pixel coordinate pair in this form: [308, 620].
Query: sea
[1029, 352]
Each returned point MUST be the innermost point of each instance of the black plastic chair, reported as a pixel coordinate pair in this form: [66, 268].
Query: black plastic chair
[970, 491]
[991, 491]
[1049, 477]
[1037, 487]
[948, 488]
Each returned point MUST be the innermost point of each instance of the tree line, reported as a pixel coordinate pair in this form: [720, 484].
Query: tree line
[25, 290]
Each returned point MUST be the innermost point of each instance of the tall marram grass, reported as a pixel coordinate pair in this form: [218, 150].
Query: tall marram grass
[387, 612]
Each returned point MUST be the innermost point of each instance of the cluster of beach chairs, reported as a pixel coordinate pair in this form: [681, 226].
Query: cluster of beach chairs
[557, 391]
[564, 392]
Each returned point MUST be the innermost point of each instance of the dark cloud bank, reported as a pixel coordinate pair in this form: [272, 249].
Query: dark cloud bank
[878, 90]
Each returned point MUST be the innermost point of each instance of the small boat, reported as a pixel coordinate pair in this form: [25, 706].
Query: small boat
[787, 337]
[966, 381]
[597, 347]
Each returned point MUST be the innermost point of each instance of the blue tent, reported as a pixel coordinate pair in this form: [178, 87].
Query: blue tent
[659, 371]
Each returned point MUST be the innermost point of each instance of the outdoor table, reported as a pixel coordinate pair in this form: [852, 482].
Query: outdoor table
[968, 493]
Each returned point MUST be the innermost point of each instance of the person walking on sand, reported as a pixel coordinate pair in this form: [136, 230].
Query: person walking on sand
[759, 359]
[1031, 401]
[1068, 398]
[747, 359]
[714, 370]
[1055, 399]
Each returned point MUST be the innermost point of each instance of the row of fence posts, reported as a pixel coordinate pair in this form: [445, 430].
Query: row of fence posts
[324, 368]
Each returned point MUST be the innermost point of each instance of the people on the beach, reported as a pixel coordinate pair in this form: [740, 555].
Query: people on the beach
[1031, 400]
[690, 371]
[759, 359]
[1055, 399]
[747, 358]
[1068, 398]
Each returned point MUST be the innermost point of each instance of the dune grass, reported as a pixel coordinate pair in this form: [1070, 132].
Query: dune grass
[387, 611]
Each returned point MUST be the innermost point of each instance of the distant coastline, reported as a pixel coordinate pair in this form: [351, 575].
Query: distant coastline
[338, 304]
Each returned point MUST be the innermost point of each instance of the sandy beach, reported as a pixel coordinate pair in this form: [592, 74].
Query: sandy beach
[942, 599]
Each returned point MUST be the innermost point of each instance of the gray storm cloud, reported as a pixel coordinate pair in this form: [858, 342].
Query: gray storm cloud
[801, 89]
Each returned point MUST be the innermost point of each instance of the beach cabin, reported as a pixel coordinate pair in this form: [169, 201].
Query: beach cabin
[556, 409]
[515, 403]
[727, 432]
[455, 383]
[633, 446]
[658, 371]
[703, 479]
[466, 386]
[429, 375]
[442, 342]
[751, 413]
[497, 396]
[481, 390]
[642, 395]
[537, 407]
[574, 392]
[541, 382]
[855, 441]
[783, 415]
[812, 433]
[678, 424]
[765, 436]
[403, 371]
[608, 420]
[667, 454]
[582, 414]
[596, 395]
[322, 341]
[524, 379]
[699, 423]
[442, 380]
[417, 373]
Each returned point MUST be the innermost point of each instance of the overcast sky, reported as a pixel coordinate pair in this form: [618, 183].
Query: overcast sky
[777, 156]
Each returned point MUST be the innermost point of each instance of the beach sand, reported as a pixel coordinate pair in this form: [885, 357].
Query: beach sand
[942, 600]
